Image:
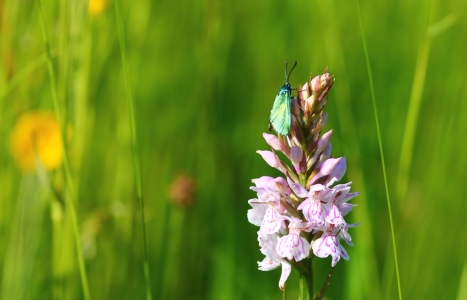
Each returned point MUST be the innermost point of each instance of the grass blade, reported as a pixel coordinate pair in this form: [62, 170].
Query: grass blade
[134, 143]
[375, 111]
[414, 109]
[70, 198]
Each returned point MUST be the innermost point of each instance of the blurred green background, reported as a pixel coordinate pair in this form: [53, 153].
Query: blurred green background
[203, 77]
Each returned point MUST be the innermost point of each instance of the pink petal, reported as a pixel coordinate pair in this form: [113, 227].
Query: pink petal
[286, 269]
[272, 221]
[273, 141]
[271, 159]
[267, 264]
[334, 167]
[298, 189]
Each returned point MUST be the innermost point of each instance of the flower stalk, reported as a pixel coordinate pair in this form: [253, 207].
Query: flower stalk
[301, 215]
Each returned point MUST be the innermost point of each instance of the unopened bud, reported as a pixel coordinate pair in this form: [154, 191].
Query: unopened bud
[320, 86]
[296, 110]
[182, 190]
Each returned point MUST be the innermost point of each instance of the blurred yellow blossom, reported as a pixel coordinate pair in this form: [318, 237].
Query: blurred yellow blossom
[97, 7]
[37, 132]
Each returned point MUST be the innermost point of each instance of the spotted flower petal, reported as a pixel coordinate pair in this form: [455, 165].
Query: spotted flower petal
[272, 221]
[293, 245]
[328, 244]
[256, 214]
[272, 260]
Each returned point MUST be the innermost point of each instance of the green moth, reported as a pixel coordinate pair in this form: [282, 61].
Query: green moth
[281, 117]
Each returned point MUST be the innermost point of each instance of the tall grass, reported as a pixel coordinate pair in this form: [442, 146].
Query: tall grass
[134, 144]
[383, 163]
[70, 190]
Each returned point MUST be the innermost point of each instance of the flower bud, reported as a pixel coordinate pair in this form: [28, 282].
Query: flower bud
[320, 86]
[321, 155]
[297, 136]
[182, 190]
[296, 110]
[304, 92]
[273, 141]
[338, 170]
[326, 153]
[334, 168]
[271, 159]
[324, 119]
[324, 140]
[296, 156]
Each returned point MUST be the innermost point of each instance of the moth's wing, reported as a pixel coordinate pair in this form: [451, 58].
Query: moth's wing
[281, 118]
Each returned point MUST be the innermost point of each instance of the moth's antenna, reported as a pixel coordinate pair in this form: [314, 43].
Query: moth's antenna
[287, 77]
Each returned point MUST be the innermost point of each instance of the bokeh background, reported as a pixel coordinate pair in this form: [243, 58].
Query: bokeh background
[203, 76]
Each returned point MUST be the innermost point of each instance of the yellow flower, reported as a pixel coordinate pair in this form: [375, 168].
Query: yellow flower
[97, 7]
[37, 133]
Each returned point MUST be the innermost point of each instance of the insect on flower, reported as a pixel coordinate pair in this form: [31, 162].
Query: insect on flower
[281, 118]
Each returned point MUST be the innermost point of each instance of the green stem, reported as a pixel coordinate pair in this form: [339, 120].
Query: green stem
[21, 75]
[375, 111]
[66, 166]
[134, 143]
[322, 292]
[309, 261]
[306, 281]
[302, 287]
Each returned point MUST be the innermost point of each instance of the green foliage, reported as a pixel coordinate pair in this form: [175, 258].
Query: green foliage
[204, 75]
